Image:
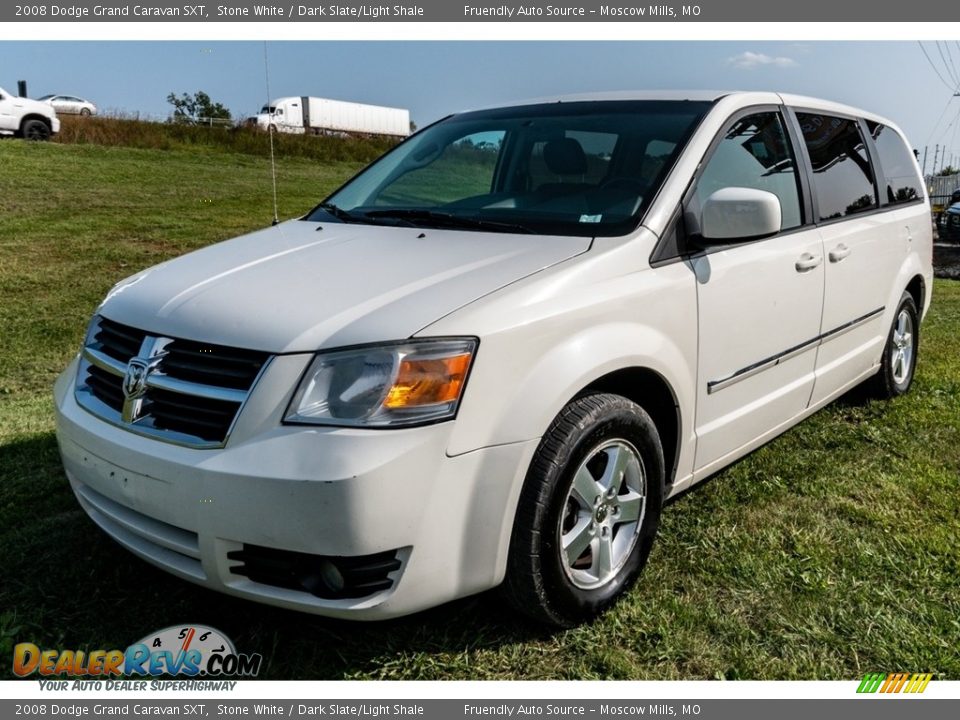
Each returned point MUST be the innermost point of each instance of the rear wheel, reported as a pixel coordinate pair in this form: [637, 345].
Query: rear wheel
[899, 361]
[588, 511]
[35, 130]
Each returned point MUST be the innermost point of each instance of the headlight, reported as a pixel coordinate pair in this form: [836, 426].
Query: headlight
[391, 385]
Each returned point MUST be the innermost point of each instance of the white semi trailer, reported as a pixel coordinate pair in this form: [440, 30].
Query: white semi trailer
[322, 116]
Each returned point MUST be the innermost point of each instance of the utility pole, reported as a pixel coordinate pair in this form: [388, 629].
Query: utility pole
[925, 148]
[936, 154]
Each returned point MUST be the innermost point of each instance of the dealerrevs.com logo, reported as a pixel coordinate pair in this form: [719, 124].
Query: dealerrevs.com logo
[180, 650]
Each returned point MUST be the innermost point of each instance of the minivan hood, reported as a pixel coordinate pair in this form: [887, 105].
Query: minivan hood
[302, 286]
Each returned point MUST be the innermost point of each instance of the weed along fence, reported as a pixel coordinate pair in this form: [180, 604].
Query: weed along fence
[214, 122]
[940, 187]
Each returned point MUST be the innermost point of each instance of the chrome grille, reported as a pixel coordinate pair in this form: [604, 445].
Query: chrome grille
[181, 391]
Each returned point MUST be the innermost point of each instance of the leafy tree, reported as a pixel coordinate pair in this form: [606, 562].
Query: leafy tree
[948, 170]
[195, 108]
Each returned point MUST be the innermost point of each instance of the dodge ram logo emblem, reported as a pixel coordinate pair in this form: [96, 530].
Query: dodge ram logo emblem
[135, 379]
[137, 376]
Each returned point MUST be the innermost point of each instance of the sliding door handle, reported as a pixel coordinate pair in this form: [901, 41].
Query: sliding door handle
[839, 253]
[808, 262]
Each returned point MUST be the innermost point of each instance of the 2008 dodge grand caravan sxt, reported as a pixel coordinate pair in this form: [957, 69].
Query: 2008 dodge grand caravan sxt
[492, 355]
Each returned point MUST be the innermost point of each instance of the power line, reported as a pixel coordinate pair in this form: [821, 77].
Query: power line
[953, 138]
[946, 132]
[947, 66]
[955, 75]
[952, 88]
[939, 120]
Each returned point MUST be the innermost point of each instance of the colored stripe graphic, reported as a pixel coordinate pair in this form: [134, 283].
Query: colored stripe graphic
[918, 683]
[894, 682]
[870, 683]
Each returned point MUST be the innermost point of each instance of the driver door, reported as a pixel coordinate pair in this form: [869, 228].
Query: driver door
[759, 302]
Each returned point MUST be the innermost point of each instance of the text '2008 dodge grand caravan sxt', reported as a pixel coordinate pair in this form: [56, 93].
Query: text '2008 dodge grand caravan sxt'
[492, 355]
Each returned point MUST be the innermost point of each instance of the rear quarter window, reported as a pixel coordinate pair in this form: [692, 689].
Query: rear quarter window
[842, 175]
[900, 182]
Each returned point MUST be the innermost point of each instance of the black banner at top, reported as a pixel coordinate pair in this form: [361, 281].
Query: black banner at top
[480, 11]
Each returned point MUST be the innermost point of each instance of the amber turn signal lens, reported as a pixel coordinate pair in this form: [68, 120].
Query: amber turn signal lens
[428, 382]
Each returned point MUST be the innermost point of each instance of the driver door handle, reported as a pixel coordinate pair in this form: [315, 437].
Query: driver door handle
[808, 262]
[839, 253]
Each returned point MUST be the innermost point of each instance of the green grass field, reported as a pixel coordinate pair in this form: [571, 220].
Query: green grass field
[829, 553]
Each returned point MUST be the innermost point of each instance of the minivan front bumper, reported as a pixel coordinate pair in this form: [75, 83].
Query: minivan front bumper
[300, 497]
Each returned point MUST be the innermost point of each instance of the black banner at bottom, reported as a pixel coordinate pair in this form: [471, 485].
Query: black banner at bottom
[869, 707]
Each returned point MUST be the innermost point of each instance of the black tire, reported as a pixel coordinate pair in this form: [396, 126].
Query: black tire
[538, 581]
[85, 112]
[891, 379]
[35, 130]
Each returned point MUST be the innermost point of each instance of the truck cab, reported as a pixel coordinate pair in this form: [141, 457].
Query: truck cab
[282, 115]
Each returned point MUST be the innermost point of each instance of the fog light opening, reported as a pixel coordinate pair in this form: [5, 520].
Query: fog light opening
[325, 580]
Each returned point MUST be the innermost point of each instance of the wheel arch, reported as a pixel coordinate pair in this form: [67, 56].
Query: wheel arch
[34, 116]
[918, 290]
[651, 391]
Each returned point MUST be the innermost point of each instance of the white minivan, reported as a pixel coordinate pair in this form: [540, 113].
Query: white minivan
[491, 356]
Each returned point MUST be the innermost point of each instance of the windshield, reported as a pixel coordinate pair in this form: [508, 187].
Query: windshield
[269, 109]
[579, 168]
[45, 97]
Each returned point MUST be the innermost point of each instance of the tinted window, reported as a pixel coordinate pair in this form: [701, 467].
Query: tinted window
[842, 177]
[755, 153]
[901, 182]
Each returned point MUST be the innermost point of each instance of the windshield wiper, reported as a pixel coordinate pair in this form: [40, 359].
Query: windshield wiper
[447, 220]
[363, 218]
[339, 213]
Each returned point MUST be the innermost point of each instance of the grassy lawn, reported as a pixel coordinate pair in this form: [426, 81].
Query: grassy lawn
[830, 552]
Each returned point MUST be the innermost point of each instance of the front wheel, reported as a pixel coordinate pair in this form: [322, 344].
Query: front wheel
[588, 511]
[85, 112]
[35, 130]
[899, 361]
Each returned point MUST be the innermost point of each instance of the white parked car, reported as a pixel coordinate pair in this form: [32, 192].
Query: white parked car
[70, 104]
[491, 356]
[26, 118]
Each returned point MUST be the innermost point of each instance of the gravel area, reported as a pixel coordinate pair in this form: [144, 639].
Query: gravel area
[946, 260]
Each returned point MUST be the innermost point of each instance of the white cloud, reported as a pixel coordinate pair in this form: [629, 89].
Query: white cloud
[749, 60]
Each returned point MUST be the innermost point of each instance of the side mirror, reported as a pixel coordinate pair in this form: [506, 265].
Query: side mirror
[734, 214]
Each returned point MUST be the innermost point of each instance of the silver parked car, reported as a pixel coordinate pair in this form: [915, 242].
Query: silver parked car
[70, 104]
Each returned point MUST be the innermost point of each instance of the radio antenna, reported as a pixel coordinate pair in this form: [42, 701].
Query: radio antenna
[273, 162]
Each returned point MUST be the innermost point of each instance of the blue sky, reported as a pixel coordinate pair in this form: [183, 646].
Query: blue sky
[434, 78]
